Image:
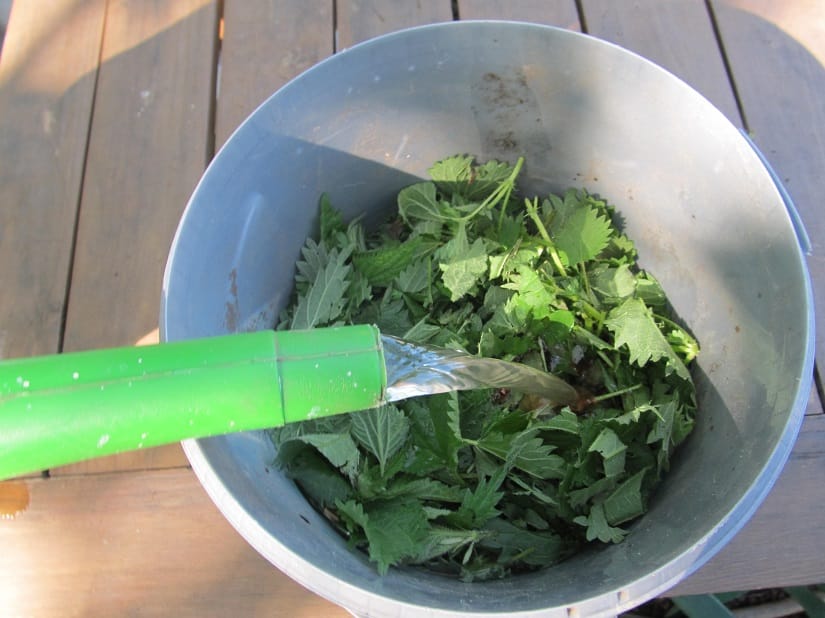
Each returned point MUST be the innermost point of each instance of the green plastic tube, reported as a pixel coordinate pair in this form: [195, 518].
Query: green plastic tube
[66, 408]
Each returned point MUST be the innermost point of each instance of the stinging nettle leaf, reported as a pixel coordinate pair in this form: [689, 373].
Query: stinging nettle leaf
[421, 332]
[534, 297]
[565, 421]
[415, 276]
[436, 430]
[607, 444]
[381, 266]
[598, 528]
[525, 451]
[479, 504]
[612, 449]
[423, 489]
[633, 326]
[579, 497]
[462, 264]
[353, 512]
[581, 233]
[331, 221]
[315, 258]
[536, 548]
[395, 530]
[318, 478]
[451, 171]
[419, 202]
[326, 297]
[625, 503]
[338, 448]
[613, 283]
[382, 431]
[442, 540]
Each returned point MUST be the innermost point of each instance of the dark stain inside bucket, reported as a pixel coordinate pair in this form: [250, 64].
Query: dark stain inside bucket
[507, 114]
[14, 499]
[231, 315]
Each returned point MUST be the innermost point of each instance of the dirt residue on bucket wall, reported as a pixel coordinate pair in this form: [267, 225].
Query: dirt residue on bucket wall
[508, 115]
[231, 315]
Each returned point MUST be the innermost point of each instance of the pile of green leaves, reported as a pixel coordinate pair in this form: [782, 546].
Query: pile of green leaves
[485, 483]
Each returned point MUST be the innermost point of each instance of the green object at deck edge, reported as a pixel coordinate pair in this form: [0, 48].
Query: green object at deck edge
[66, 408]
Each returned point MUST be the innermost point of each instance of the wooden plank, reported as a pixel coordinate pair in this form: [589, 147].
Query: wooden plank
[675, 34]
[776, 51]
[814, 404]
[152, 543]
[47, 81]
[149, 143]
[561, 13]
[262, 49]
[137, 544]
[784, 543]
[359, 20]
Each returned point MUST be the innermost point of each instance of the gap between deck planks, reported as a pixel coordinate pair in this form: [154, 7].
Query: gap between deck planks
[776, 51]
[560, 13]
[359, 20]
[148, 146]
[677, 36]
[45, 110]
[262, 50]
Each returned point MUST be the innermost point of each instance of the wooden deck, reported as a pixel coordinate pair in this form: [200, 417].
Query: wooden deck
[109, 112]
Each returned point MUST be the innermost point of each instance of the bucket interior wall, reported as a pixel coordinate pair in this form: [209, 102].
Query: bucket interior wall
[705, 216]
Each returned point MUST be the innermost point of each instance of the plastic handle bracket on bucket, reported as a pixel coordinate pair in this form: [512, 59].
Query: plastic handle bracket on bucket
[798, 226]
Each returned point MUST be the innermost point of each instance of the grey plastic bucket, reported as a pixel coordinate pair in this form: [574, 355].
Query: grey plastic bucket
[706, 216]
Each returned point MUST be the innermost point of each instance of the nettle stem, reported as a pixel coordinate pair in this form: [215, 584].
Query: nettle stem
[618, 393]
[533, 213]
[508, 186]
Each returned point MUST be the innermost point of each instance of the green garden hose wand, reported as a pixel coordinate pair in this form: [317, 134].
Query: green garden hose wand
[65, 408]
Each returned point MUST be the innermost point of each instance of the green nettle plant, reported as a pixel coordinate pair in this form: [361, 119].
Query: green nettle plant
[485, 483]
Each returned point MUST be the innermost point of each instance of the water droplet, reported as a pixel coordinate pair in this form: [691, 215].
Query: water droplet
[103, 440]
